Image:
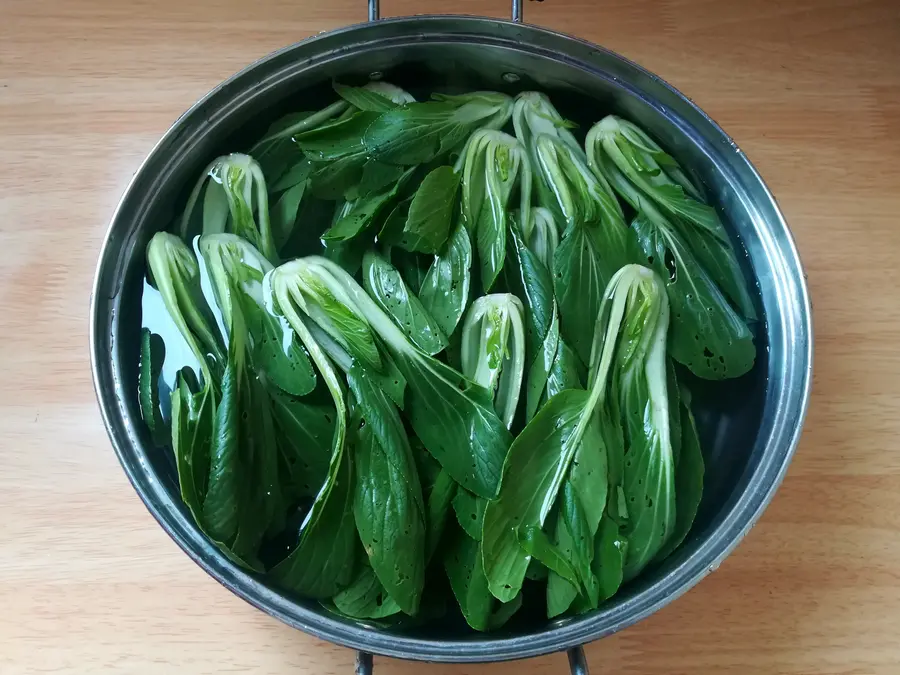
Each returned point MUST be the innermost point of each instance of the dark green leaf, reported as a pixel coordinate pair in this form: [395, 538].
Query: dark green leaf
[533, 472]
[284, 213]
[337, 139]
[469, 512]
[332, 180]
[153, 353]
[437, 509]
[305, 433]
[322, 562]
[445, 290]
[220, 507]
[192, 426]
[376, 176]
[707, 335]
[431, 212]
[365, 598]
[456, 422]
[536, 544]
[565, 373]
[388, 505]
[386, 287]
[609, 557]
[360, 215]
[364, 99]
[579, 279]
[462, 562]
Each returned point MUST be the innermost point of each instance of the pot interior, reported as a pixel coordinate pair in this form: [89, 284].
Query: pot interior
[735, 418]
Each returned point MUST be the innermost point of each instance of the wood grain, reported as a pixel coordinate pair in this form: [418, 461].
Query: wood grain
[90, 584]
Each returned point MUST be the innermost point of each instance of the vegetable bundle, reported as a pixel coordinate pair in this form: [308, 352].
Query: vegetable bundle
[401, 347]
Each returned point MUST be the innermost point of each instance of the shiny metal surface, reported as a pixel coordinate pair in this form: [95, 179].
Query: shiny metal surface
[749, 428]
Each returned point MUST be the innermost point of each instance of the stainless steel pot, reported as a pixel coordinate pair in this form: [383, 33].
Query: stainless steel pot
[749, 427]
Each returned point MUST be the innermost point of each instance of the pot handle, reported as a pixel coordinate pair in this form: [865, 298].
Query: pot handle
[577, 662]
[375, 10]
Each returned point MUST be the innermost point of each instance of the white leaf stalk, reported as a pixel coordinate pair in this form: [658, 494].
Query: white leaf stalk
[493, 350]
[579, 195]
[492, 163]
[235, 200]
[544, 236]
[176, 274]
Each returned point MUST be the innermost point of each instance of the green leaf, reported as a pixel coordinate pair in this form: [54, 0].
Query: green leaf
[153, 353]
[284, 213]
[332, 180]
[641, 171]
[192, 427]
[375, 177]
[532, 475]
[469, 512]
[296, 175]
[361, 214]
[707, 335]
[579, 278]
[455, 420]
[536, 544]
[445, 290]
[439, 500]
[689, 472]
[336, 139]
[220, 507]
[365, 598]
[419, 132]
[322, 563]
[565, 373]
[452, 416]
[305, 432]
[386, 287]
[388, 504]
[364, 99]
[462, 562]
[277, 352]
[431, 212]
[609, 557]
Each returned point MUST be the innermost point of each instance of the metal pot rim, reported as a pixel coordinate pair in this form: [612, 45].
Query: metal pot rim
[744, 511]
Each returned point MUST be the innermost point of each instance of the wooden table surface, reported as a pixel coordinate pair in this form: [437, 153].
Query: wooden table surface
[89, 583]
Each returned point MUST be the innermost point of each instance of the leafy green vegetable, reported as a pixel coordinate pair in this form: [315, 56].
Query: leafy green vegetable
[322, 561]
[240, 180]
[386, 287]
[707, 335]
[431, 210]
[387, 504]
[192, 427]
[490, 165]
[610, 549]
[305, 431]
[365, 597]
[447, 412]
[536, 544]
[689, 471]
[462, 564]
[420, 132]
[363, 98]
[357, 216]
[493, 350]
[175, 272]
[543, 239]
[469, 512]
[649, 487]
[153, 353]
[540, 456]
[445, 289]
[659, 177]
